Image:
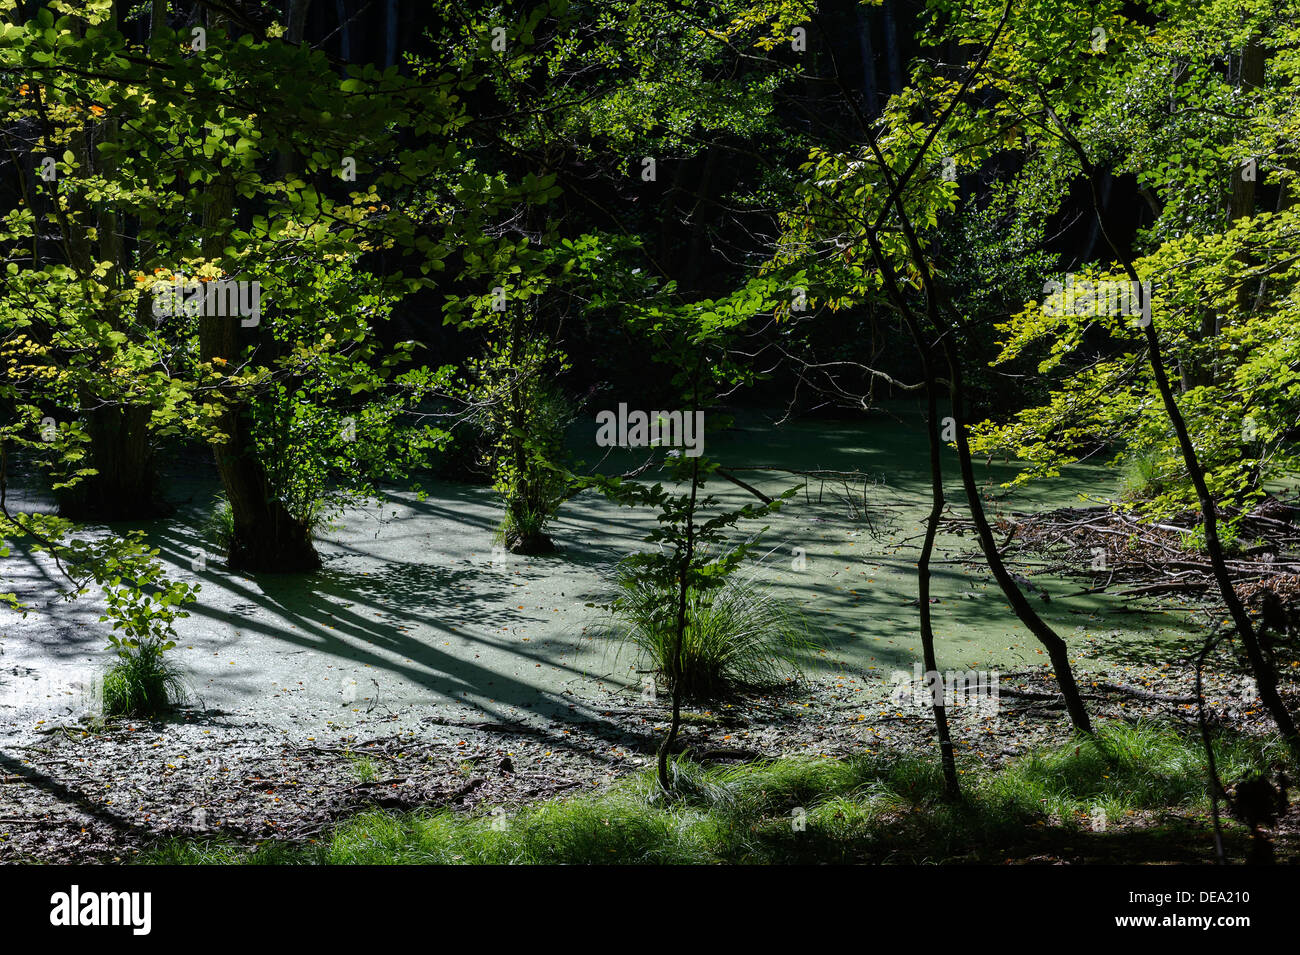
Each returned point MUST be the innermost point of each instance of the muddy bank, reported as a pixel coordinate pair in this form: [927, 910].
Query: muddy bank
[105, 792]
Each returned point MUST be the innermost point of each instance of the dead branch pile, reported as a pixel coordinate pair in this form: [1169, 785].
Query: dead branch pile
[1120, 552]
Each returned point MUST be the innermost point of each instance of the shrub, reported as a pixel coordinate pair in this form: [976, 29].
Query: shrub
[143, 607]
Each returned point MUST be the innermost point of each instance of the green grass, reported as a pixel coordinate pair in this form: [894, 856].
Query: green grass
[367, 771]
[870, 808]
[142, 683]
[219, 525]
[1142, 476]
[738, 636]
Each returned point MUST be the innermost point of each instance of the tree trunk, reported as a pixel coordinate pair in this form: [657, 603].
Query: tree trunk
[869, 96]
[296, 15]
[891, 48]
[1241, 203]
[1253, 62]
[266, 536]
[939, 707]
[1265, 675]
[157, 23]
[345, 30]
[297, 20]
[125, 485]
[390, 33]
[1057, 651]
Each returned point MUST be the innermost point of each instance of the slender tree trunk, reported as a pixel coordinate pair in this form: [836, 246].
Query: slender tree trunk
[148, 218]
[865, 49]
[892, 57]
[297, 20]
[157, 23]
[1241, 203]
[1265, 676]
[698, 246]
[1094, 234]
[688, 555]
[1057, 651]
[345, 30]
[390, 33]
[1254, 60]
[296, 15]
[1055, 646]
[1244, 194]
[938, 705]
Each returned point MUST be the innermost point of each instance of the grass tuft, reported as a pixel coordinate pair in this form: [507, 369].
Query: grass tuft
[737, 637]
[219, 526]
[142, 684]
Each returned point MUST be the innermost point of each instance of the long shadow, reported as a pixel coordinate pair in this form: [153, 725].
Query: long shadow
[64, 793]
[310, 601]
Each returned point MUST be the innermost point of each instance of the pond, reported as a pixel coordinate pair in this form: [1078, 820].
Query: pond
[416, 606]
